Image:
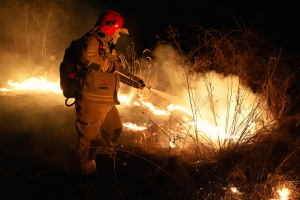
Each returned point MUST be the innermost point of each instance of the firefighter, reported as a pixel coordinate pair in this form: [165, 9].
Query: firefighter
[97, 119]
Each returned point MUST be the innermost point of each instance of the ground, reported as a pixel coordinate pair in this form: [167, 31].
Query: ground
[37, 145]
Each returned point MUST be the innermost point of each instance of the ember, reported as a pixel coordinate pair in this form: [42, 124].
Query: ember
[284, 193]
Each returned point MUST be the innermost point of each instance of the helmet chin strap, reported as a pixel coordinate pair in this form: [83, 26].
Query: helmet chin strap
[116, 34]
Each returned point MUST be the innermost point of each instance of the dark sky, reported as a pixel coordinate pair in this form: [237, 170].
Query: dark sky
[274, 20]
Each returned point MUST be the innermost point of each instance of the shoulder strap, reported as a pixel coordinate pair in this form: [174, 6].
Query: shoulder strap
[100, 44]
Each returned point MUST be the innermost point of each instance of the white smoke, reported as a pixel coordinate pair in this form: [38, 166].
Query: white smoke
[217, 101]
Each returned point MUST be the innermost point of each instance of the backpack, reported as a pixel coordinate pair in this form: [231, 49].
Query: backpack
[70, 76]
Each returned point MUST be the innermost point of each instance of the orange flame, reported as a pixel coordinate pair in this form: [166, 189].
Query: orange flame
[40, 84]
[284, 193]
[134, 126]
[212, 131]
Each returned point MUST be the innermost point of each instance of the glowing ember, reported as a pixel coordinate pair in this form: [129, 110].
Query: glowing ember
[33, 83]
[234, 190]
[284, 193]
[171, 144]
[133, 126]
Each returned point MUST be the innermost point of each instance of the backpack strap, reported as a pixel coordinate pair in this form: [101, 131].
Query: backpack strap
[100, 44]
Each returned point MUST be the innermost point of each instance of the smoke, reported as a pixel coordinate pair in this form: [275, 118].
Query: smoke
[170, 69]
[220, 105]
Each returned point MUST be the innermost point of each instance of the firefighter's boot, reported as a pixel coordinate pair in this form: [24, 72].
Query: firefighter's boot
[89, 168]
[106, 166]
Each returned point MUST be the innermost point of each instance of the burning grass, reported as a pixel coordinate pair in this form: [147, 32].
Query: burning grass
[253, 124]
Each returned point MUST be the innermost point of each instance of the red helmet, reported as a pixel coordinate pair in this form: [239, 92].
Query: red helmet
[109, 22]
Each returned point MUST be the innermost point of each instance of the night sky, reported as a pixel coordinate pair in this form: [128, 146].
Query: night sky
[277, 21]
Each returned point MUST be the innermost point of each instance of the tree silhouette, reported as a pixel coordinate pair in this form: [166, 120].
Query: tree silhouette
[36, 31]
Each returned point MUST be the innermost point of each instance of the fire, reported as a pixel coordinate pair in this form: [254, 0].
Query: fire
[189, 121]
[155, 110]
[202, 127]
[40, 84]
[134, 126]
[173, 107]
[233, 189]
[171, 144]
[124, 99]
[4, 90]
[284, 193]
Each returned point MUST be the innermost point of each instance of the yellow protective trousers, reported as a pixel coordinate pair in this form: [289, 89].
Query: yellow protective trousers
[99, 126]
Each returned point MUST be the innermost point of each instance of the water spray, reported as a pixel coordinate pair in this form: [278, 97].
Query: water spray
[167, 96]
[163, 94]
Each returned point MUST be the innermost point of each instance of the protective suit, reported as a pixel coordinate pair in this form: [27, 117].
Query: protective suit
[97, 119]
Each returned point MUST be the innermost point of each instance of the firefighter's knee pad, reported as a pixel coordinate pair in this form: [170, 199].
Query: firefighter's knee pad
[88, 127]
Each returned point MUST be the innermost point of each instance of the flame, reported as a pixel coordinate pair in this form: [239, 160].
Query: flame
[124, 99]
[200, 126]
[4, 90]
[284, 193]
[155, 110]
[233, 189]
[173, 107]
[40, 84]
[211, 131]
[171, 144]
[134, 126]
